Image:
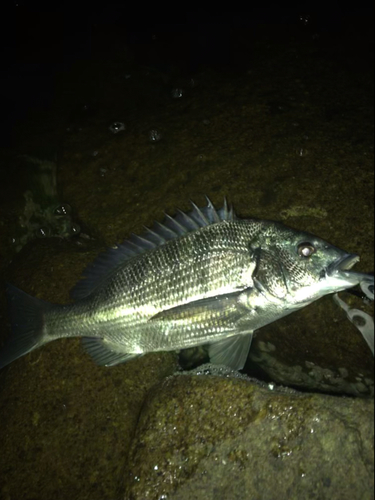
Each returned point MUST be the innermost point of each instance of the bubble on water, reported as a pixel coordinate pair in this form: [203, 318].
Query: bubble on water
[63, 210]
[75, 229]
[305, 19]
[301, 152]
[154, 135]
[117, 127]
[43, 232]
[177, 93]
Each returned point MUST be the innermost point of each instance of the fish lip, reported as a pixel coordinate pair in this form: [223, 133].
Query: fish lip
[344, 263]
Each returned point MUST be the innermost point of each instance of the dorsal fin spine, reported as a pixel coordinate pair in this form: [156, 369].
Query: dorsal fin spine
[160, 233]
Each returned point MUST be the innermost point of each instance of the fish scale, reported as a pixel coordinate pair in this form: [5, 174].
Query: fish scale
[201, 278]
[146, 288]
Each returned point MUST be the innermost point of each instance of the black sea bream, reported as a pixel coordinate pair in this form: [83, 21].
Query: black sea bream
[205, 277]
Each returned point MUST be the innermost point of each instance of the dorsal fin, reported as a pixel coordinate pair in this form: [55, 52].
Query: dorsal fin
[171, 228]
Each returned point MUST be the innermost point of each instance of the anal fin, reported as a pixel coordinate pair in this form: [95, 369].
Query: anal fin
[106, 353]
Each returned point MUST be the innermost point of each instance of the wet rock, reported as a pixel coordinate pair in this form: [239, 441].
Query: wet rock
[205, 437]
[35, 210]
[66, 423]
[318, 350]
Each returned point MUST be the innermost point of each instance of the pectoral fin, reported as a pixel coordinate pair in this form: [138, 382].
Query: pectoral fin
[224, 311]
[221, 308]
[232, 351]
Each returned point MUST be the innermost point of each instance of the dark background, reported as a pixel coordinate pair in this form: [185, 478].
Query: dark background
[41, 41]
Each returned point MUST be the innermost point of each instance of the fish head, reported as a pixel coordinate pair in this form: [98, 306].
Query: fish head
[298, 267]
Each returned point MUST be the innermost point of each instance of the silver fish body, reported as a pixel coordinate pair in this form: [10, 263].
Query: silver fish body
[200, 278]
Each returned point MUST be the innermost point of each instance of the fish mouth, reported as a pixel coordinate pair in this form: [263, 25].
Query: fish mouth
[340, 272]
[344, 263]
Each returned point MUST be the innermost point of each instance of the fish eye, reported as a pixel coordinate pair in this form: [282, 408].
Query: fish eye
[306, 249]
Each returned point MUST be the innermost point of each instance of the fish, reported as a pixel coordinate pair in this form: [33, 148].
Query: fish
[201, 278]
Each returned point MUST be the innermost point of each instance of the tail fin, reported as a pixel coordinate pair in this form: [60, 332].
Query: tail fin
[27, 314]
